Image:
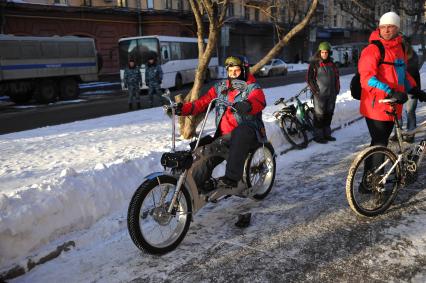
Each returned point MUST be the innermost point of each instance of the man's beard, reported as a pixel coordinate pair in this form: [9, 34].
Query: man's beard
[241, 77]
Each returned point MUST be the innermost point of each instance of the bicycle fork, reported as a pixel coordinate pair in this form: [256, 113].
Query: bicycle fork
[179, 184]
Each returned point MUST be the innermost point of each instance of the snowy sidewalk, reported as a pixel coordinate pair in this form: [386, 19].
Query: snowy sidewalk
[61, 180]
[303, 231]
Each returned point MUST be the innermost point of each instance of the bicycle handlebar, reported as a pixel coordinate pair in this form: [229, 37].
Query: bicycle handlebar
[291, 99]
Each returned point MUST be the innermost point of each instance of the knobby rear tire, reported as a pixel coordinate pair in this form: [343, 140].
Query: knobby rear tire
[352, 185]
[292, 129]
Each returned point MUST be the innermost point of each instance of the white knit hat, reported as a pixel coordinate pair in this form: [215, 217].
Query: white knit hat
[390, 18]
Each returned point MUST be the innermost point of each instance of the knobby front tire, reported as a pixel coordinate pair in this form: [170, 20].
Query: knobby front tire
[151, 227]
[365, 193]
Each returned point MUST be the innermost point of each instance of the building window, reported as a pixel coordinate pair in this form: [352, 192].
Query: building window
[61, 2]
[335, 20]
[180, 4]
[87, 2]
[247, 13]
[256, 15]
[122, 3]
[231, 10]
[274, 13]
[150, 4]
[169, 4]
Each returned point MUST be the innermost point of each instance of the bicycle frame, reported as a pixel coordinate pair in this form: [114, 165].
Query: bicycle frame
[300, 110]
[185, 177]
[400, 133]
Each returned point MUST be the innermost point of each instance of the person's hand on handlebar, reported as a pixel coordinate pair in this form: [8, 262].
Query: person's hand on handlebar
[177, 107]
[243, 107]
[400, 97]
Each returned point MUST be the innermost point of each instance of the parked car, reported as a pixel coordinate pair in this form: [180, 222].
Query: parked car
[273, 68]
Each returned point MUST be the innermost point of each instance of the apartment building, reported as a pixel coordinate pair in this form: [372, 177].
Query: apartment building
[252, 26]
[104, 20]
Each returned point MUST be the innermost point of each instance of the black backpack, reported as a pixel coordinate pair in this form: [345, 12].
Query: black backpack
[355, 86]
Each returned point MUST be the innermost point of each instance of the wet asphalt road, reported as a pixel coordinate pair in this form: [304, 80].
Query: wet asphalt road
[98, 102]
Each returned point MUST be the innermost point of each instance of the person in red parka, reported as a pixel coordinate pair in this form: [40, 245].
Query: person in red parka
[243, 128]
[380, 80]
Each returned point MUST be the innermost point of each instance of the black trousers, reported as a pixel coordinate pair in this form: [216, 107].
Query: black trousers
[243, 140]
[323, 114]
[240, 142]
[380, 132]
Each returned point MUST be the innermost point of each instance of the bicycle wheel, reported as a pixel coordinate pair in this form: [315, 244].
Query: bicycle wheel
[259, 170]
[150, 226]
[309, 119]
[293, 131]
[367, 191]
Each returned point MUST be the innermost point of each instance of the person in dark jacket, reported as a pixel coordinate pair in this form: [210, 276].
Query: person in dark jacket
[323, 80]
[132, 81]
[413, 66]
[153, 78]
[244, 128]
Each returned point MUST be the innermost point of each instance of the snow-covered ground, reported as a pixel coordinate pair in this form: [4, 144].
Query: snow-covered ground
[74, 182]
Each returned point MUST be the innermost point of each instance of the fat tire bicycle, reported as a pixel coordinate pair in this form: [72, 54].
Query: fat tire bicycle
[161, 209]
[377, 173]
[295, 119]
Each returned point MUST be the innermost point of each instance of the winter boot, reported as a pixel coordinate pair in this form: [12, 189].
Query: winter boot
[130, 106]
[243, 220]
[329, 138]
[227, 183]
[327, 134]
[319, 136]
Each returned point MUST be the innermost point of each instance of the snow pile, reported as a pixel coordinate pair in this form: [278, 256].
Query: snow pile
[60, 179]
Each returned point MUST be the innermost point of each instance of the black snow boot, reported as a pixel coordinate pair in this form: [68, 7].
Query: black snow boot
[243, 220]
[225, 182]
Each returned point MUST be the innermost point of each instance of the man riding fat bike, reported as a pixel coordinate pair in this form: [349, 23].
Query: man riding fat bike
[242, 129]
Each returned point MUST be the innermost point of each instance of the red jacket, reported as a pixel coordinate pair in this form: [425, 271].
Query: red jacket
[228, 122]
[377, 81]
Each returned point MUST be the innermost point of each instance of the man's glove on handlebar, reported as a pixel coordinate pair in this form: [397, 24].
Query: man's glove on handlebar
[400, 97]
[178, 109]
[242, 107]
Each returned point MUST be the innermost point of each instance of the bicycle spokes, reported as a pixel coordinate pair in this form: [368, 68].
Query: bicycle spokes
[373, 180]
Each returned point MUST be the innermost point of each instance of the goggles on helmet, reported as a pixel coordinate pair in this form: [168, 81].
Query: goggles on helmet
[233, 61]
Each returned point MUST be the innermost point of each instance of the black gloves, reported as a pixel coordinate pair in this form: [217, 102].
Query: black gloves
[243, 107]
[400, 97]
[419, 94]
[177, 107]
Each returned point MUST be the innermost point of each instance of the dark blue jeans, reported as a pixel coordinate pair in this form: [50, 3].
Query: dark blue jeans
[410, 109]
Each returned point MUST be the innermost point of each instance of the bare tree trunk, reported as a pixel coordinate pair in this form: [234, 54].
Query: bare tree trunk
[205, 52]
